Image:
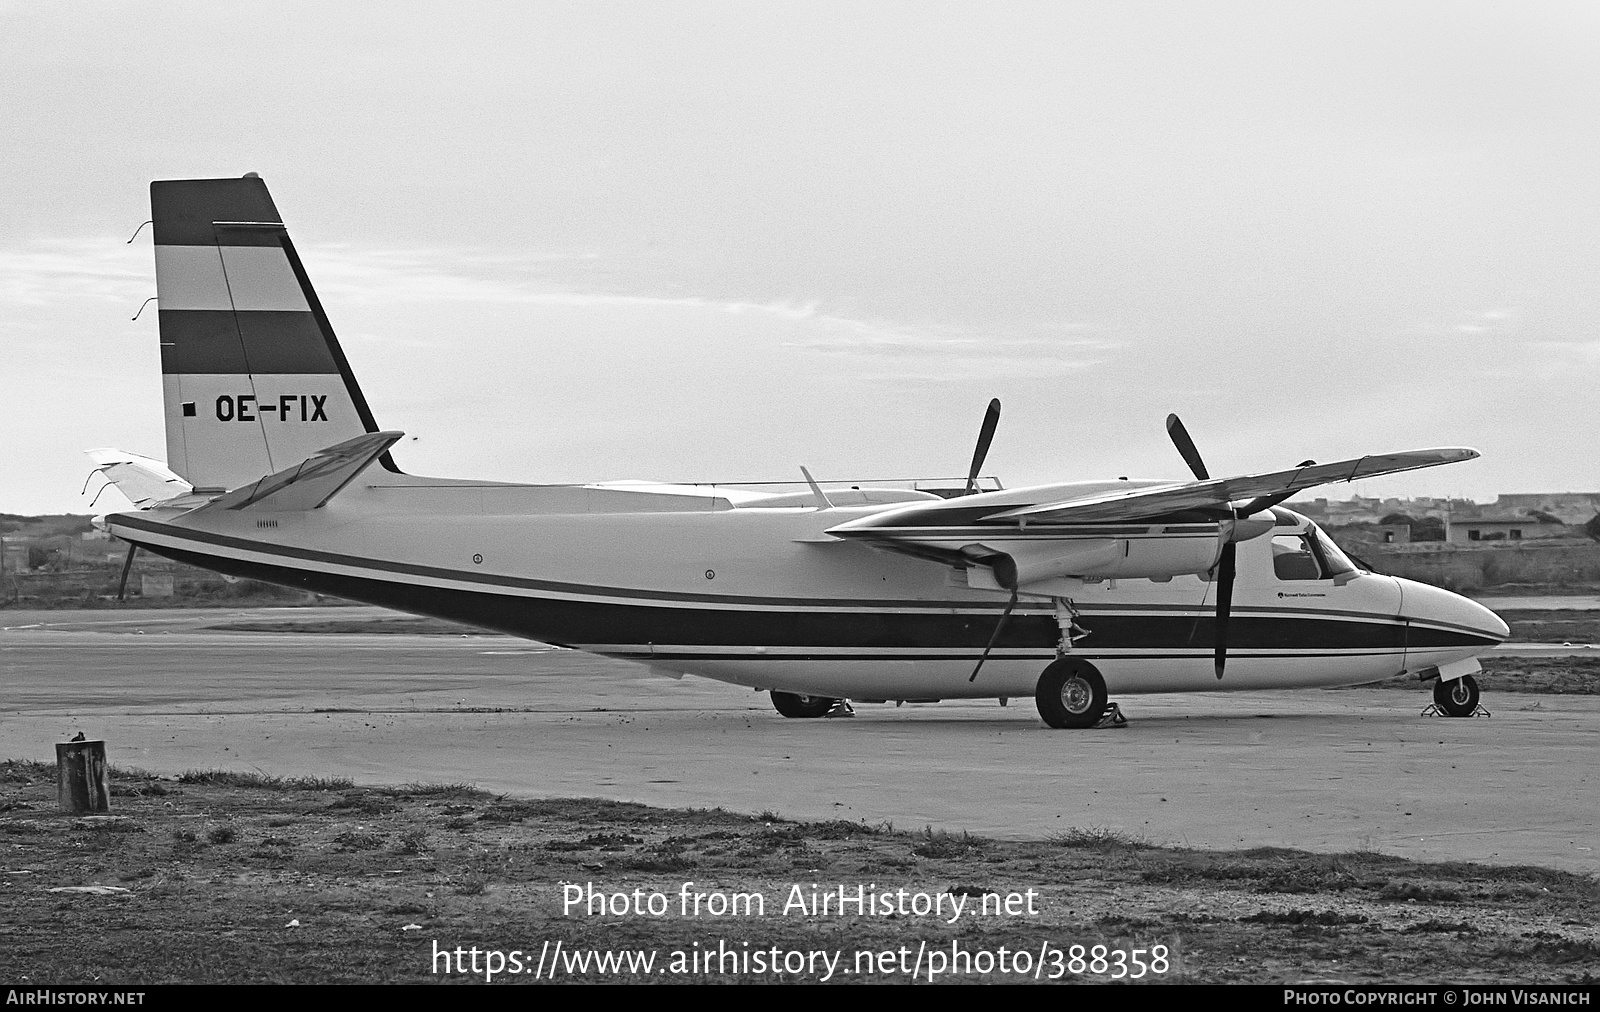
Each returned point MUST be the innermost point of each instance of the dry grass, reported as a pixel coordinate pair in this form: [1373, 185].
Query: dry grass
[263, 781]
[217, 865]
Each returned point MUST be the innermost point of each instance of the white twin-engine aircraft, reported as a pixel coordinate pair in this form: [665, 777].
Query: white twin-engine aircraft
[1064, 592]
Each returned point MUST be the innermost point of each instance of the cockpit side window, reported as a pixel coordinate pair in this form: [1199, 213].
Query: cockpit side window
[1294, 559]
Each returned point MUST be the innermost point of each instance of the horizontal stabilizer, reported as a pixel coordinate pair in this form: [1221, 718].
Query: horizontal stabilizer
[143, 481]
[312, 482]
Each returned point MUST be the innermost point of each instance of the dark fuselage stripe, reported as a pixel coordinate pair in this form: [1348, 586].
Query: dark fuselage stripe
[665, 654]
[569, 622]
[978, 610]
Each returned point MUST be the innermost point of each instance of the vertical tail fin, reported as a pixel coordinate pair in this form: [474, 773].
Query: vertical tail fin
[253, 378]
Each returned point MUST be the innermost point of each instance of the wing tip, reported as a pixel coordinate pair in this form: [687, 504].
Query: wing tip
[1446, 454]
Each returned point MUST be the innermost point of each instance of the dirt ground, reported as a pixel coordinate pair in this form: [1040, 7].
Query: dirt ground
[225, 877]
[1530, 625]
[1574, 676]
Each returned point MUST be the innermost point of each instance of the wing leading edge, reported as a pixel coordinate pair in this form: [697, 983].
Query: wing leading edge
[1220, 492]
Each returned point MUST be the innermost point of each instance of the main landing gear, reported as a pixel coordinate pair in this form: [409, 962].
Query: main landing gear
[1456, 698]
[1071, 693]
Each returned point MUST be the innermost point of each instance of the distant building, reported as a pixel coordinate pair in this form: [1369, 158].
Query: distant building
[1360, 510]
[1512, 517]
[1465, 531]
[1571, 508]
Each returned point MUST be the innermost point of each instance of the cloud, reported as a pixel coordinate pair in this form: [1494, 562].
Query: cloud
[363, 274]
[1467, 324]
[75, 269]
[108, 269]
[884, 349]
[947, 355]
[1584, 351]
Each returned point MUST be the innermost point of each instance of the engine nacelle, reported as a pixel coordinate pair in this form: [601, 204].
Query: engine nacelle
[1017, 563]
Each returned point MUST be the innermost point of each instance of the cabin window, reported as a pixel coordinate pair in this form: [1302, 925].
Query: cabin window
[1514, 534]
[1293, 559]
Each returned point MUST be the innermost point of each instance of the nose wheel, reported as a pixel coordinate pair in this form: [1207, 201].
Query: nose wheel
[1456, 698]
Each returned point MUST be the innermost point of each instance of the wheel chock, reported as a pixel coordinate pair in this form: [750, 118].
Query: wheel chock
[1433, 710]
[1112, 717]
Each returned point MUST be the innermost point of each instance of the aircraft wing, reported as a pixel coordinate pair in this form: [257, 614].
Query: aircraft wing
[311, 482]
[1142, 503]
[1150, 529]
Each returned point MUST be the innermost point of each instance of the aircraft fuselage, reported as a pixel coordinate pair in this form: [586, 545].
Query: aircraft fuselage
[763, 597]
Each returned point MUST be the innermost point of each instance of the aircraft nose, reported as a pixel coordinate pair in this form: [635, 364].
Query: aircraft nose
[1493, 624]
[1446, 612]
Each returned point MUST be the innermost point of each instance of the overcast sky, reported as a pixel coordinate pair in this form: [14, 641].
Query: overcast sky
[595, 241]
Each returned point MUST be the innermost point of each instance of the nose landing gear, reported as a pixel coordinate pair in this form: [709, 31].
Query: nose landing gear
[1456, 698]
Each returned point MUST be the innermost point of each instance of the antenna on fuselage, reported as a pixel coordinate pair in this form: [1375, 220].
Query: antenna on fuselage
[127, 567]
[823, 502]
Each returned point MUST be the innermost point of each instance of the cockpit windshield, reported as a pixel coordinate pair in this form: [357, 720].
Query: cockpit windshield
[1337, 562]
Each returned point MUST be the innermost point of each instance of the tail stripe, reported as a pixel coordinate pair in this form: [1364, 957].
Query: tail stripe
[243, 277]
[213, 341]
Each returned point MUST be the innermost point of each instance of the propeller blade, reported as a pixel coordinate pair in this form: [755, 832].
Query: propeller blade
[1185, 445]
[1225, 574]
[127, 566]
[991, 418]
[996, 637]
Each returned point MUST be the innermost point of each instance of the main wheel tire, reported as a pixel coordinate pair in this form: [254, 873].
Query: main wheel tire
[1457, 698]
[793, 704]
[1071, 693]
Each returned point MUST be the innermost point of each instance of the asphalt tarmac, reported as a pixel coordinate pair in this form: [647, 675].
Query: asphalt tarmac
[1322, 770]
